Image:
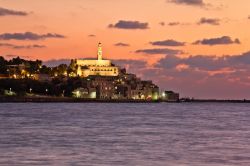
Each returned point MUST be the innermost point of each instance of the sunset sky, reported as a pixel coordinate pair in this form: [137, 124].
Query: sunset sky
[200, 48]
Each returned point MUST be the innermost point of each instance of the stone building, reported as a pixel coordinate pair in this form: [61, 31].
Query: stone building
[105, 86]
[131, 87]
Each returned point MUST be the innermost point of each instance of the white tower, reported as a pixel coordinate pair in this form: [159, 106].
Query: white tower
[100, 51]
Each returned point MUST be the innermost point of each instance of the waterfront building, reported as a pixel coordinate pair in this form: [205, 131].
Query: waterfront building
[132, 87]
[99, 67]
[122, 91]
[105, 86]
[86, 93]
[145, 90]
[170, 96]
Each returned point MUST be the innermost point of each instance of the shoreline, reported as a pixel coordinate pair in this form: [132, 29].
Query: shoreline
[81, 100]
[66, 100]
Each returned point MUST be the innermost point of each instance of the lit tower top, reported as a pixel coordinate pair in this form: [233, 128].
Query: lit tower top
[100, 51]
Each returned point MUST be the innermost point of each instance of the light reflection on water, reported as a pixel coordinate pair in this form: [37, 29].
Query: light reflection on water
[160, 134]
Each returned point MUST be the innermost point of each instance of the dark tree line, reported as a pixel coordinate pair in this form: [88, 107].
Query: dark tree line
[56, 87]
[35, 67]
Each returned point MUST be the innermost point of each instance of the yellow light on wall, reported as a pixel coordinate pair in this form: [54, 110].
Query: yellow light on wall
[77, 94]
[93, 95]
[155, 97]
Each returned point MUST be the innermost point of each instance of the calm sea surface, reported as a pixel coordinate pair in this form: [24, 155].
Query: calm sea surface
[161, 134]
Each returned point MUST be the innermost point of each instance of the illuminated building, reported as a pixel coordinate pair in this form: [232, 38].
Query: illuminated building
[97, 67]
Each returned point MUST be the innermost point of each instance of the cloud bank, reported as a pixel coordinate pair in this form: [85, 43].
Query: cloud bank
[188, 2]
[169, 42]
[174, 23]
[9, 12]
[122, 44]
[204, 76]
[164, 51]
[224, 40]
[91, 35]
[130, 25]
[210, 21]
[28, 36]
[21, 46]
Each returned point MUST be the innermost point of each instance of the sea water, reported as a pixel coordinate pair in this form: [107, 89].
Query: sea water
[124, 134]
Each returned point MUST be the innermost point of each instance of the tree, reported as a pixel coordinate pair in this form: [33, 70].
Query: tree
[34, 66]
[16, 61]
[62, 69]
[72, 67]
[45, 70]
[3, 65]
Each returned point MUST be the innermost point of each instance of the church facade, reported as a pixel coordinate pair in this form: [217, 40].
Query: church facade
[97, 67]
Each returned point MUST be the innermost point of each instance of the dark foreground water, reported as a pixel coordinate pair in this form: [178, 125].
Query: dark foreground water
[125, 134]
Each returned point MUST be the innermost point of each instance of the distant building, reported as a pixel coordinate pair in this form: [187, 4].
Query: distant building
[132, 87]
[98, 67]
[145, 90]
[170, 96]
[105, 86]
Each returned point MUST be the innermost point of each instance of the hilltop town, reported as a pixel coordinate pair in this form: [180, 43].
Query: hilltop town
[83, 79]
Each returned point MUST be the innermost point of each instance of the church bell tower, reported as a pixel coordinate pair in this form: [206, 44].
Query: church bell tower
[100, 51]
